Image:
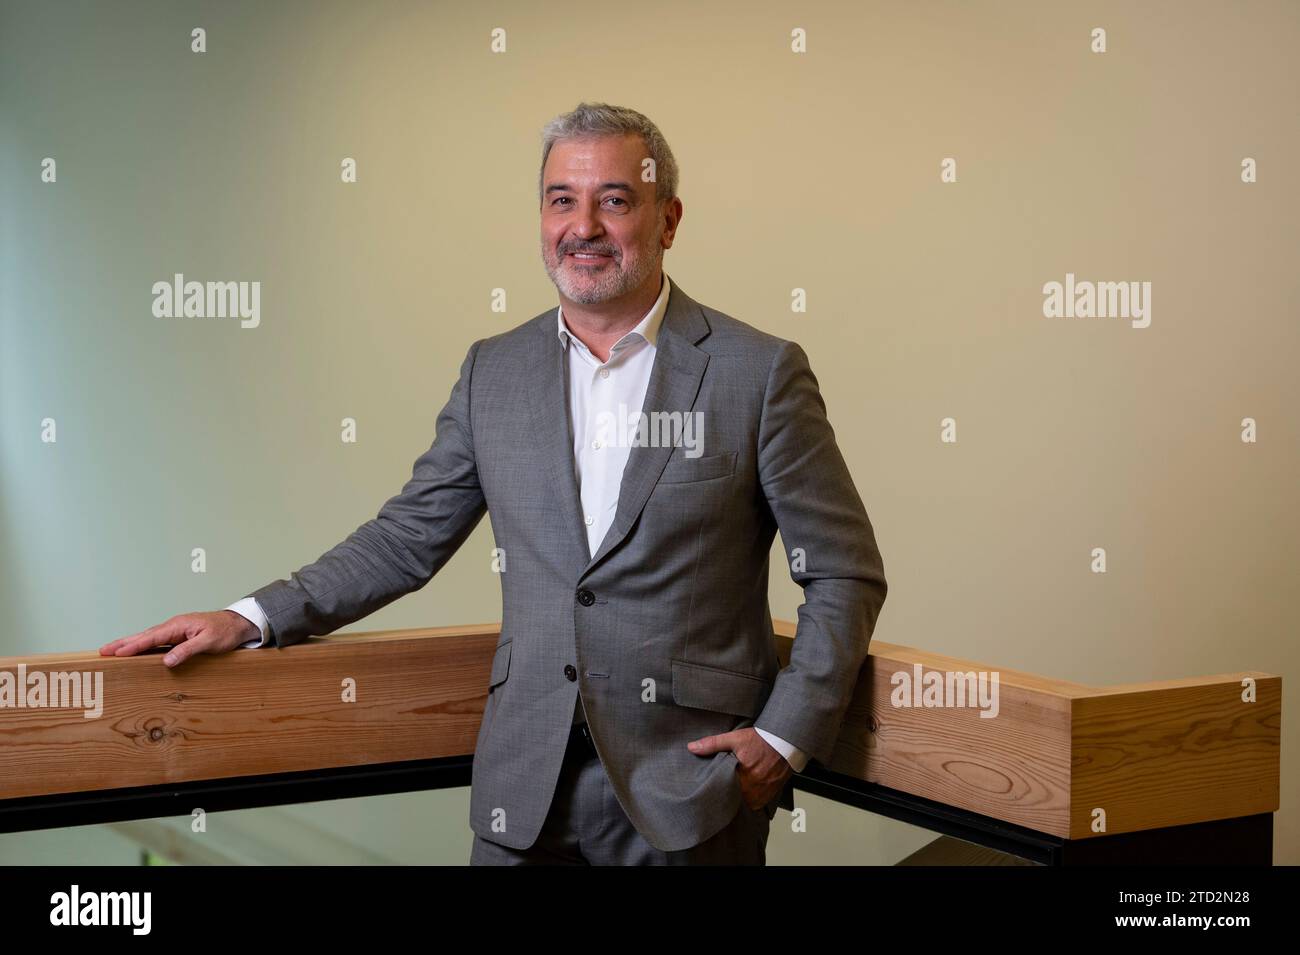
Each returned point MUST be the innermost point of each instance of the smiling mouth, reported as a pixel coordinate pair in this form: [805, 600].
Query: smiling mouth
[587, 257]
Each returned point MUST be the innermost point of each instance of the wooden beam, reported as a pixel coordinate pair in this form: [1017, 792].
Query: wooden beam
[1146, 755]
[419, 695]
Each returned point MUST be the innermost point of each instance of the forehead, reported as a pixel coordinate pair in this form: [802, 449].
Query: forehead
[572, 158]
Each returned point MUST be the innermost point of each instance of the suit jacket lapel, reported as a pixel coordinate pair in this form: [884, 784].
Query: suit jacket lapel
[674, 383]
[546, 384]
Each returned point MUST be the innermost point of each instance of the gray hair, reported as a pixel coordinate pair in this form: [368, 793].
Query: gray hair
[587, 120]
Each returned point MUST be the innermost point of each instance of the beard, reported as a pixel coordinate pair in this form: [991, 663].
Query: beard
[592, 286]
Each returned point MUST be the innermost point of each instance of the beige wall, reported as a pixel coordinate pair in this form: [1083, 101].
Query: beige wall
[817, 171]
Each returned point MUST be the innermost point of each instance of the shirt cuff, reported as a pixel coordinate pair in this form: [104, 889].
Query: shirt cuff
[250, 611]
[796, 757]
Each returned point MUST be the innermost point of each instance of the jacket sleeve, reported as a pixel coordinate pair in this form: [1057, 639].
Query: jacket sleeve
[401, 548]
[818, 511]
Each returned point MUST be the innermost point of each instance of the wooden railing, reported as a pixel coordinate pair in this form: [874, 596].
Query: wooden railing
[1178, 770]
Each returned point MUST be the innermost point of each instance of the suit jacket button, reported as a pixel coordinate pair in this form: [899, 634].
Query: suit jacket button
[570, 672]
[586, 597]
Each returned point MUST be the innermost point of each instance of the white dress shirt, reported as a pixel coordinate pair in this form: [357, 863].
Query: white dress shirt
[605, 400]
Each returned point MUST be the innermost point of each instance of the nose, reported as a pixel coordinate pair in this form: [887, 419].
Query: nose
[586, 224]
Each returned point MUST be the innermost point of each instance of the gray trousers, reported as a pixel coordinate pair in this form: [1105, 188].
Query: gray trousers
[586, 826]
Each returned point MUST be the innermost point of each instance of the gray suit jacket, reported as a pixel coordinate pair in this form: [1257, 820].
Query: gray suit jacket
[666, 631]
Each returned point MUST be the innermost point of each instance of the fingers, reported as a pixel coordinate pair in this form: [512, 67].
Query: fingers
[169, 631]
[708, 745]
[705, 746]
[183, 651]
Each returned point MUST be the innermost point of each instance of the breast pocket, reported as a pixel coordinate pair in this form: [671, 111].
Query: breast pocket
[683, 470]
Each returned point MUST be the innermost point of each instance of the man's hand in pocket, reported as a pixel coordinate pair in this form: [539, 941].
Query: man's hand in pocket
[761, 769]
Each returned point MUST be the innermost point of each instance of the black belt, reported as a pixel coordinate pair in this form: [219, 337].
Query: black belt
[580, 739]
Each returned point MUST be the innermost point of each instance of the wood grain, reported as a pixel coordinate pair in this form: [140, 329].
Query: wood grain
[1147, 754]
[1150, 754]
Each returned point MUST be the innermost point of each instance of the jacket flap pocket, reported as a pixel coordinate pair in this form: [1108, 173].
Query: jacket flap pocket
[500, 664]
[683, 470]
[723, 691]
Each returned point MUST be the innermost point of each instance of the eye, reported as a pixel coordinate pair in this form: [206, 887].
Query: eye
[560, 199]
[617, 199]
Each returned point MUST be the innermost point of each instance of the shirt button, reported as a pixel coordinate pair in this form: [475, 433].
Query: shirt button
[604, 373]
[570, 673]
[596, 445]
[586, 597]
[590, 520]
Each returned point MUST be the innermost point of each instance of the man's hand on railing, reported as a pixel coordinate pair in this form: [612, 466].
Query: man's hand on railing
[188, 633]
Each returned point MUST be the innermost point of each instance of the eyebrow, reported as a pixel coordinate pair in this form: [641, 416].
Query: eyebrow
[565, 187]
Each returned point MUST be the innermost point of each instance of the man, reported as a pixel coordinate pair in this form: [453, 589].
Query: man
[636, 452]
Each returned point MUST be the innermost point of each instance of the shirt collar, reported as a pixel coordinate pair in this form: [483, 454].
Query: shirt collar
[647, 328]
